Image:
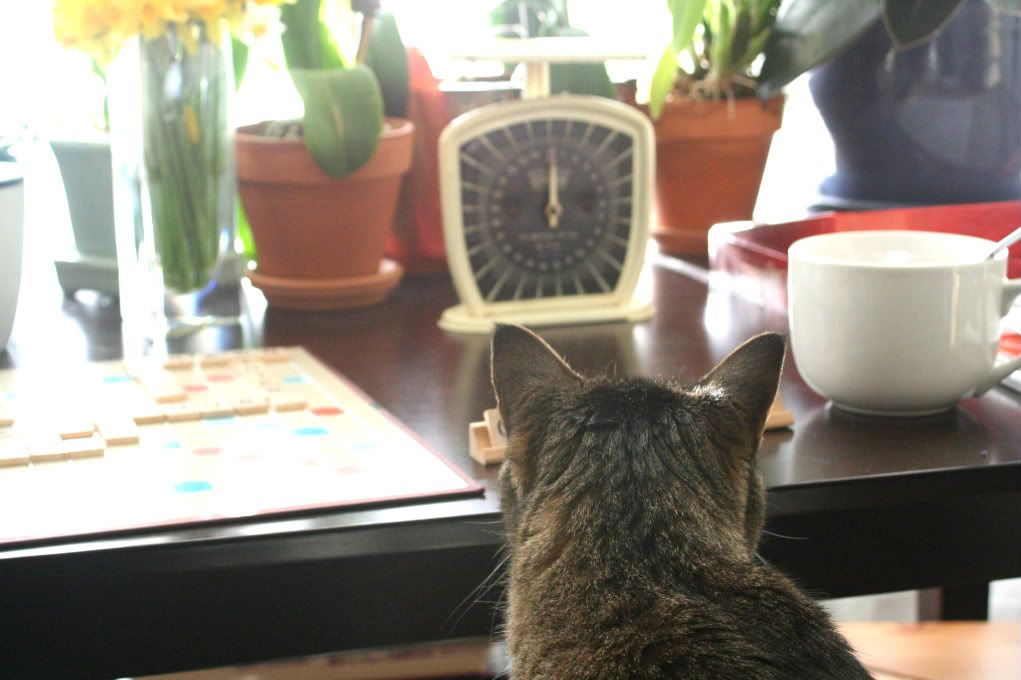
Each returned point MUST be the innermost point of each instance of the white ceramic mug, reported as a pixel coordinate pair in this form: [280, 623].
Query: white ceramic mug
[11, 216]
[898, 322]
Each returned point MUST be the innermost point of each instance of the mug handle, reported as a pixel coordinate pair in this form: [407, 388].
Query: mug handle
[1011, 289]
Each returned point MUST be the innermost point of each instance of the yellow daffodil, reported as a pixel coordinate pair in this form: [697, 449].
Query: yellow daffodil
[100, 27]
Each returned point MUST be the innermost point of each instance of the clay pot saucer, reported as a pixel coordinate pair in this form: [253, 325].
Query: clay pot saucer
[328, 294]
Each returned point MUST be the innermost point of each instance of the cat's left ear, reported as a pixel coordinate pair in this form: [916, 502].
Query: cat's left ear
[749, 377]
[520, 363]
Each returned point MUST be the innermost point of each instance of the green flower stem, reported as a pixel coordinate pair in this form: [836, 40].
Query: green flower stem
[184, 117]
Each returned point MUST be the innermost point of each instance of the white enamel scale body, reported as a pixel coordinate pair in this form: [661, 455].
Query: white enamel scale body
[546, 208]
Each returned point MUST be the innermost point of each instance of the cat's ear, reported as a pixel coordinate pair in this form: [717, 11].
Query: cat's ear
[749, 377]
[520, 362]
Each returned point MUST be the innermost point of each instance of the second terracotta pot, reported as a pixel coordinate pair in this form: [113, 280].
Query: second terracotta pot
[710, 156]
[308, 225]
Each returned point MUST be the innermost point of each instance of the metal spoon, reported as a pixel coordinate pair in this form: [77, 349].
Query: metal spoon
[1007, 240]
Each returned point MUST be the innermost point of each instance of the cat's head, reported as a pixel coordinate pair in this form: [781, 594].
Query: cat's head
[627, 463]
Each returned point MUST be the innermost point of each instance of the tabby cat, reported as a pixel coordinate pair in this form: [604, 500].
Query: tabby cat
[633, 509]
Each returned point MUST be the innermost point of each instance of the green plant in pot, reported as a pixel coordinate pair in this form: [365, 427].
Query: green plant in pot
[712, 132]
[548, 19]
[321, 193]
[920, 96]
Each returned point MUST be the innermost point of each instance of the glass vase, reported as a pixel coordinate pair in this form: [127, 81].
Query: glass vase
[172, 150]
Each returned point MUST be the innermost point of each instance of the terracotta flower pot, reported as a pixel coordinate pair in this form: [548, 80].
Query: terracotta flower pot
[710, 156]
[314, 230]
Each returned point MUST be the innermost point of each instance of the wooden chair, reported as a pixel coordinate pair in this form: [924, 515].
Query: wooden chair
[951, 650]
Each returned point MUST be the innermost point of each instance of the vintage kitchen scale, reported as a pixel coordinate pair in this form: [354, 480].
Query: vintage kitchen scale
[546, 201]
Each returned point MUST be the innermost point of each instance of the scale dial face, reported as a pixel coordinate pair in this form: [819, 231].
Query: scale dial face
[547, 208]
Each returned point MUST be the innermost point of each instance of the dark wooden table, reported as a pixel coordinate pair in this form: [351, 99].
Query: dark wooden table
[857, 505]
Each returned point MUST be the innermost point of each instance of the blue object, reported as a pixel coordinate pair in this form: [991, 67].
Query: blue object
[220, 420]
[295, 380]
[193, 486]
[933, 124]
[311, 431]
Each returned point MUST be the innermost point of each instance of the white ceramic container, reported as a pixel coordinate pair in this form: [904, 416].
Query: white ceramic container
[11, 233]
[898, 322]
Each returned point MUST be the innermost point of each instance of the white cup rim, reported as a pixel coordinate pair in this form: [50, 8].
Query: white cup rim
[968, 250]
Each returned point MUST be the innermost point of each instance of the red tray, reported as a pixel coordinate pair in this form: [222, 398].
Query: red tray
[751, 258]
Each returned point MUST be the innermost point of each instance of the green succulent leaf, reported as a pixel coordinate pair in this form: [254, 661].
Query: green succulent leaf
[663, 79]
[687, 14]
[386, 57]
[343, 116]
[910, 22]
[1008, 6]
[809, 33]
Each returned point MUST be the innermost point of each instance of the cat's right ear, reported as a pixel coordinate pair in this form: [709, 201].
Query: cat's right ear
[749, 377]
[520, 363]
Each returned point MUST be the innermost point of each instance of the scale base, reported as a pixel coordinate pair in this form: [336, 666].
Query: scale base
[458, 319]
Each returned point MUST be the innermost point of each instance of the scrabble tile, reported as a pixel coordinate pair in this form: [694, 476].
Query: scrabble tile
[779, 416]
[212, 360]
[162, 386]
[215, 409]
[44, 447]
[74, 426]
[177, 362]
[286, 402]
[13, 452]
[6, 417]
[481, 448]
[89, 447]
[249, 406]
[494, 424]
[274, 355]
[116, 429]
[182, 411]
[146, 412]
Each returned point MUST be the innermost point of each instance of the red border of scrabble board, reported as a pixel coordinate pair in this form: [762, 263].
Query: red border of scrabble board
[473, 488]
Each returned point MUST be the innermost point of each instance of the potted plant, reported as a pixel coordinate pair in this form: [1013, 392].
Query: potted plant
[712, 132]
[85, 169]
[417, 239]
[320, 194]
[920, 98]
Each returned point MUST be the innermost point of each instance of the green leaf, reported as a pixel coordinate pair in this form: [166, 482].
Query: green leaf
[1008, 6]
[387, 58]
[910, 22]
[753, 49]
[307, 42]
[686, 16]
[809, 33]
[663, 79]
[591, 79]
[528, 18]
[720, 47]
[741, 34]
[239, 58]
[343, 116]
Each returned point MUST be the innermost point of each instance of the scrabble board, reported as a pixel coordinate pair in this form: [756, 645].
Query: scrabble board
[195, 439]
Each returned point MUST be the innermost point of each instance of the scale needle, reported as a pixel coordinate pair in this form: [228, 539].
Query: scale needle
[553, 207]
